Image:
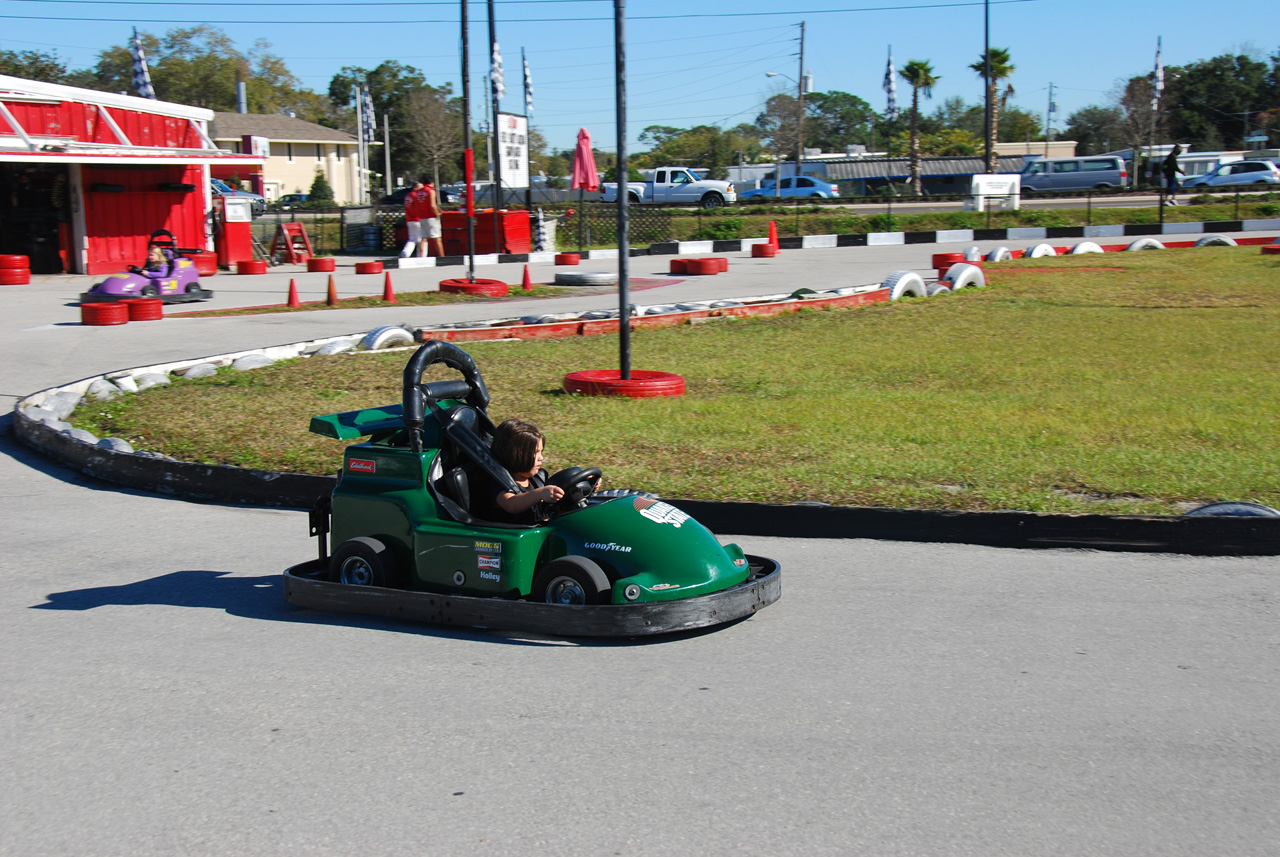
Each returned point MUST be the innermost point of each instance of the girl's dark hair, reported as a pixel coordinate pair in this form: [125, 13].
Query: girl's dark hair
[515, 444]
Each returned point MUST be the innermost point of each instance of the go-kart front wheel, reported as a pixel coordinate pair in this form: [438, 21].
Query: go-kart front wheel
[571, 580]
[363, 561]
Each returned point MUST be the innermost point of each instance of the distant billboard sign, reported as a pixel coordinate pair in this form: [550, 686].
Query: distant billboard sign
[513, 149]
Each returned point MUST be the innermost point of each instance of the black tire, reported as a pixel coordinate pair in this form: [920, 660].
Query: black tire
[570, 580]
[1102, 187]
[150, 292]
[712, 200]
[634, 199]
[363, 561]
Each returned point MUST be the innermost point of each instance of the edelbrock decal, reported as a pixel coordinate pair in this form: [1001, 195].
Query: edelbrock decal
[660, 513]
[362, 465]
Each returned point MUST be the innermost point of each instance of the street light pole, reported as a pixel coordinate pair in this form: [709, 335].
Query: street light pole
[800, 121]
[986, 79]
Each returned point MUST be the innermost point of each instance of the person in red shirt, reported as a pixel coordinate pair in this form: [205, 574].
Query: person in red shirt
[432, 242]
[412, 222]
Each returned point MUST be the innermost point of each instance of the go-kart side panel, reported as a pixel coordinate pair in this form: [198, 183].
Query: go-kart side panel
[476, 561]
[380, 494]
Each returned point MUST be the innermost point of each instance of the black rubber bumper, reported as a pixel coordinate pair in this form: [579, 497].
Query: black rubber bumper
[305, 586]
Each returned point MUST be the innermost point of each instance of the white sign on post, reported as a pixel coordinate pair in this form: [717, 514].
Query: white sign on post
[513, 144]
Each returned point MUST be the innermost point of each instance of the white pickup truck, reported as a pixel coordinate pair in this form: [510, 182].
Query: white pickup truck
[675, 186]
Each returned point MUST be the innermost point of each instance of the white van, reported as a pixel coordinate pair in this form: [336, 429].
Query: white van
[1102, 172]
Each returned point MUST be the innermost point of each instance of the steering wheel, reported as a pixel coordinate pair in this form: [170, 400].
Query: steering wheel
[578, 483]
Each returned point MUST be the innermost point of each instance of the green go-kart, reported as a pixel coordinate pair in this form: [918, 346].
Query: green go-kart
[399, 536]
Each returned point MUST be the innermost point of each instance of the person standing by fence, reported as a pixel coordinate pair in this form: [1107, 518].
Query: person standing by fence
[1171, 170]
[431, 242]
[412, 206]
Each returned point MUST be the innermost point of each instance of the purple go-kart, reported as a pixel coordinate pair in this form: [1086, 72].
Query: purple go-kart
[168, 275]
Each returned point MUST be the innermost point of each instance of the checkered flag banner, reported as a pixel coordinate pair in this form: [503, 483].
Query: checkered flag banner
[528, 86]
[1158, 84]
[369, 123]
[141, 74]
[891, 90]
[495, 73]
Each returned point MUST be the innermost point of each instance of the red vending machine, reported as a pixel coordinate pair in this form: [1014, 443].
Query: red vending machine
[233, 218]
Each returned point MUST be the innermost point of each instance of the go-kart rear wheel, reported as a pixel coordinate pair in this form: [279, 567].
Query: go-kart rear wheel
[150, 292]
[571, 580]
[363, 561]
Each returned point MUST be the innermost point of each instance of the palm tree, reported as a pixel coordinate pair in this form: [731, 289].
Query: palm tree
[1001, 68]
[920, 75]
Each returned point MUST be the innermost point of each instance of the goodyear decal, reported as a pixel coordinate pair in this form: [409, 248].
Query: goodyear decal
[488, 547]
[488, 562]
[362, 465]
[660, 513]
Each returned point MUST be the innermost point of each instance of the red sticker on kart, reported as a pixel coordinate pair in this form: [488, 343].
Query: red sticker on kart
[489, 562]
[659, 513]
[361, 465]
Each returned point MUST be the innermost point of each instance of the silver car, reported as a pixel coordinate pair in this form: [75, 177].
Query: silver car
[1239, 173]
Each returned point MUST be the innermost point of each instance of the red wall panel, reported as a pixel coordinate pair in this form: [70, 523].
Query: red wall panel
[119, 223]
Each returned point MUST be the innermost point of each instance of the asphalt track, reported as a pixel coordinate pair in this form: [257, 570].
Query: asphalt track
[160, 698]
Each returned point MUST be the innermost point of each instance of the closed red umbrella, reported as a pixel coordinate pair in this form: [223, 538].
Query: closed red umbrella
[585, 176]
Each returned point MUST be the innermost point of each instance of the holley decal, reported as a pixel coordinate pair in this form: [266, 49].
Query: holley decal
[361, 465]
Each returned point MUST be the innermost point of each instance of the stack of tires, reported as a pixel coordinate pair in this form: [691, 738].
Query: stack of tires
[14, 270]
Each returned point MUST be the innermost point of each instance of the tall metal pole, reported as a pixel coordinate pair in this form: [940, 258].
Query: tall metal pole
[494, 144]
[800, 121]
[986, 80]
[469, 153]
[624, 238]
[386, 149]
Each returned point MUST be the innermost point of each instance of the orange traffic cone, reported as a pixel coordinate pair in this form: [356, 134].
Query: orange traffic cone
[293, 294]
[332, 299]
[528, 284]
[773, 235]
[388, 294]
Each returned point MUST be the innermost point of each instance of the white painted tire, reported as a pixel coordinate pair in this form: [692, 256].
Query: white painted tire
[1000, 254]
[587, 278]
[1086, 247]
[389, 336]
[973, 254]
[904, 284]
[1145, 244]
[961, 275]
[1216, 241]
[938, 288]
[1039, 251]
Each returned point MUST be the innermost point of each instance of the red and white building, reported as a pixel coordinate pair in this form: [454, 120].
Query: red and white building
[87, 176]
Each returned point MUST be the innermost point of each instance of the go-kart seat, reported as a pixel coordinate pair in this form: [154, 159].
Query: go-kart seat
[458, 468]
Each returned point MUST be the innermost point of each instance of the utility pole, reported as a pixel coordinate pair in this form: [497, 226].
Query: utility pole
[386, 150]
[496, 156]
[1048, 120]
[469, 154]
[800, 120]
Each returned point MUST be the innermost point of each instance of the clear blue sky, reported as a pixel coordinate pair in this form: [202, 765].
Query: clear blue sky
[689, 63]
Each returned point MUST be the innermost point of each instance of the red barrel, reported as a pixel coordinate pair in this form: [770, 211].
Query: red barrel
[12, 260]
[321, 264]
[946, 260]
[368, 267]
[608, 382]
[703, 267]
[251, 266]
[14, 276]
[568, 258]
[487, 288]
[679, 266]
[763, 251]
[722, 262]
[102, 314]
[206, 263]
[144, 309]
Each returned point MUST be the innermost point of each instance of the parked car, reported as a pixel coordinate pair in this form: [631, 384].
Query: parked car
[221, 188]
[674, 185]
[291, 201]
[791, 186]
[1239, 173]
[1055, 174]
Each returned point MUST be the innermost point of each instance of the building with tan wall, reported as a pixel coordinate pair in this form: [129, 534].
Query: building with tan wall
[295, 151]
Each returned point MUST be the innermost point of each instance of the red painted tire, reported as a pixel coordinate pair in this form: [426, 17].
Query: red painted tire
[144, 309]
[679, 266]
[607, 382]
[722, 263]
[763, 251]
[10, 260]
[703, 267]
[943, 261]
[206, 263]
[942, 273]
[251, 266]
[14, 276]
[1271, 249]
[568, 258]
[368, 267]
[103, 314]
[321, 264]
[487, 288]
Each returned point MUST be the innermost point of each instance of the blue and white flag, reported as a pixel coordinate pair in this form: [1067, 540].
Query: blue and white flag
[369, 124]
[495, 73]
[1157, 87]
[528, 85]
[141, 74]
[891, 90]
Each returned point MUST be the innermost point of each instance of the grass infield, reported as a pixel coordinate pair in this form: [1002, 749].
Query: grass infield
[1145, 384]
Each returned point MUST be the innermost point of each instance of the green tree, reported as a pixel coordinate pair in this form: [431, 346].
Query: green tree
[391, 87]
[1205, 102]
[1001, 68]
[320, 190]
[1096, 129]
[834, 120]
[33, 65]
[703, 146]
[919, 74]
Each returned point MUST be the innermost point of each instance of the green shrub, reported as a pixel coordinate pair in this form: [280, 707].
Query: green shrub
[320, 191]
[726, 229]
